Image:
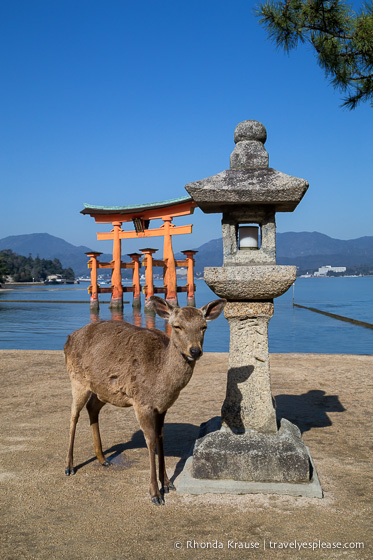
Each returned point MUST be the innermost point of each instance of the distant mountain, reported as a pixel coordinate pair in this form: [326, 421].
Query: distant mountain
[308, 251]
[209, 254]
[303, 244]
[48, 247]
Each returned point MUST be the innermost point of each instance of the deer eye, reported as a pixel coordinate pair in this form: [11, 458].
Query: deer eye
[178, 328]
[204, 328]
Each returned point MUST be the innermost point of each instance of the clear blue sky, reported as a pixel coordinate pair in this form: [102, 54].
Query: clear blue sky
[119, 102]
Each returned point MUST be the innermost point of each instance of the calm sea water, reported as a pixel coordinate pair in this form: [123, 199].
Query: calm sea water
[45, 326]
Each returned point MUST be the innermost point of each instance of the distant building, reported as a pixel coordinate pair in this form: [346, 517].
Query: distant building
[323, 270]
[54, 278]
[57, 279]
[181, 272]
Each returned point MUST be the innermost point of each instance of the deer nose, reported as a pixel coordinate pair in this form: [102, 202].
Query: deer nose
[195, 352]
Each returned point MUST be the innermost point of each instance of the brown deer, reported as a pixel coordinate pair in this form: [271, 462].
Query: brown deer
[124, 365]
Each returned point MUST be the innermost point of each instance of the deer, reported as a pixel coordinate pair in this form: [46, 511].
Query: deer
[125, 365]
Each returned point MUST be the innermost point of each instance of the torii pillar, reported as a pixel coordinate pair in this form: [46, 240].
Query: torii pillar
[94, 303]
[116, 277]
[191, 300]
[169, 258]
[149, 284]
[136, 279]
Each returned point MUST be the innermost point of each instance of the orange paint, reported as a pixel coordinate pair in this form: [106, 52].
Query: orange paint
[168, 257]
[136, 275]
[141, 217]
[93, 288]
[116, 277]
[190, 273]
[176, 230]
[148, 263]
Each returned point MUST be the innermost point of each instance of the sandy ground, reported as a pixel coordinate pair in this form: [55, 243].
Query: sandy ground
[107, 513]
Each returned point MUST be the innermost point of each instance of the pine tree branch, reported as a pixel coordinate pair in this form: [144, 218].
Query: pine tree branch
[359, 78]
[327, 32]
[341, 38]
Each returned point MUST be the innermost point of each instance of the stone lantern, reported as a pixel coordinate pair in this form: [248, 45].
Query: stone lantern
[246, 450]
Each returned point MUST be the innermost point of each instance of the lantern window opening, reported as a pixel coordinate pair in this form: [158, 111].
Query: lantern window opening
[249, 236]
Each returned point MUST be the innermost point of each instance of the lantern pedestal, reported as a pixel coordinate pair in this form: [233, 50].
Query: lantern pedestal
[248, 403]
[253, 456]
[244, 451]
[252, 463]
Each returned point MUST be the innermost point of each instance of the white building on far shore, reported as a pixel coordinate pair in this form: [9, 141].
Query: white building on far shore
[323, 270]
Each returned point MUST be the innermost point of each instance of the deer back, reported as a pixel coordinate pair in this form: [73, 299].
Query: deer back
[123, 364]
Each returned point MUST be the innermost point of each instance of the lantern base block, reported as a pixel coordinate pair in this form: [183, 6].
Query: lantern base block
[251, 463]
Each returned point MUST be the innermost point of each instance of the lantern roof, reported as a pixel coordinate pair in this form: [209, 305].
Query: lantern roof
[249, 181]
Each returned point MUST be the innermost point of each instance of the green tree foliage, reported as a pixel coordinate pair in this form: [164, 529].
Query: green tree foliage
[342, 38]
[4, 270]
[27, 269]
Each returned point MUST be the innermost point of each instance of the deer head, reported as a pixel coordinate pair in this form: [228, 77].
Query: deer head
[188, 324]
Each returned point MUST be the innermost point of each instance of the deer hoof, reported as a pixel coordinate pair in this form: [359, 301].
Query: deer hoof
[167, 487]
[69, 471]
[158, 501]
[106, 464]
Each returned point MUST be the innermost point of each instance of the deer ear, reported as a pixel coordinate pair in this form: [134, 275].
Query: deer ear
[213, 309]
[160, 306]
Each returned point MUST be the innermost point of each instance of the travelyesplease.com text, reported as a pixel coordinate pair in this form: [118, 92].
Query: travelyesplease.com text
[266, 544]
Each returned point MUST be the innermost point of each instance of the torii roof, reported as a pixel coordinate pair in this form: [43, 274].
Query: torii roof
[137, 208]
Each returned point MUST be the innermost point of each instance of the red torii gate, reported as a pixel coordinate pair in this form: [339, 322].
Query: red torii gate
[141, 215]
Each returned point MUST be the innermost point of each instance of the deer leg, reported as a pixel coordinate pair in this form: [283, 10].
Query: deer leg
[166, 485]
[147, 421]
[94, 406]
[80, 397]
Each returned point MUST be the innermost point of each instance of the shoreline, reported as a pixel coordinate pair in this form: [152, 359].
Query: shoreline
[5, 285]
[212, 353]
